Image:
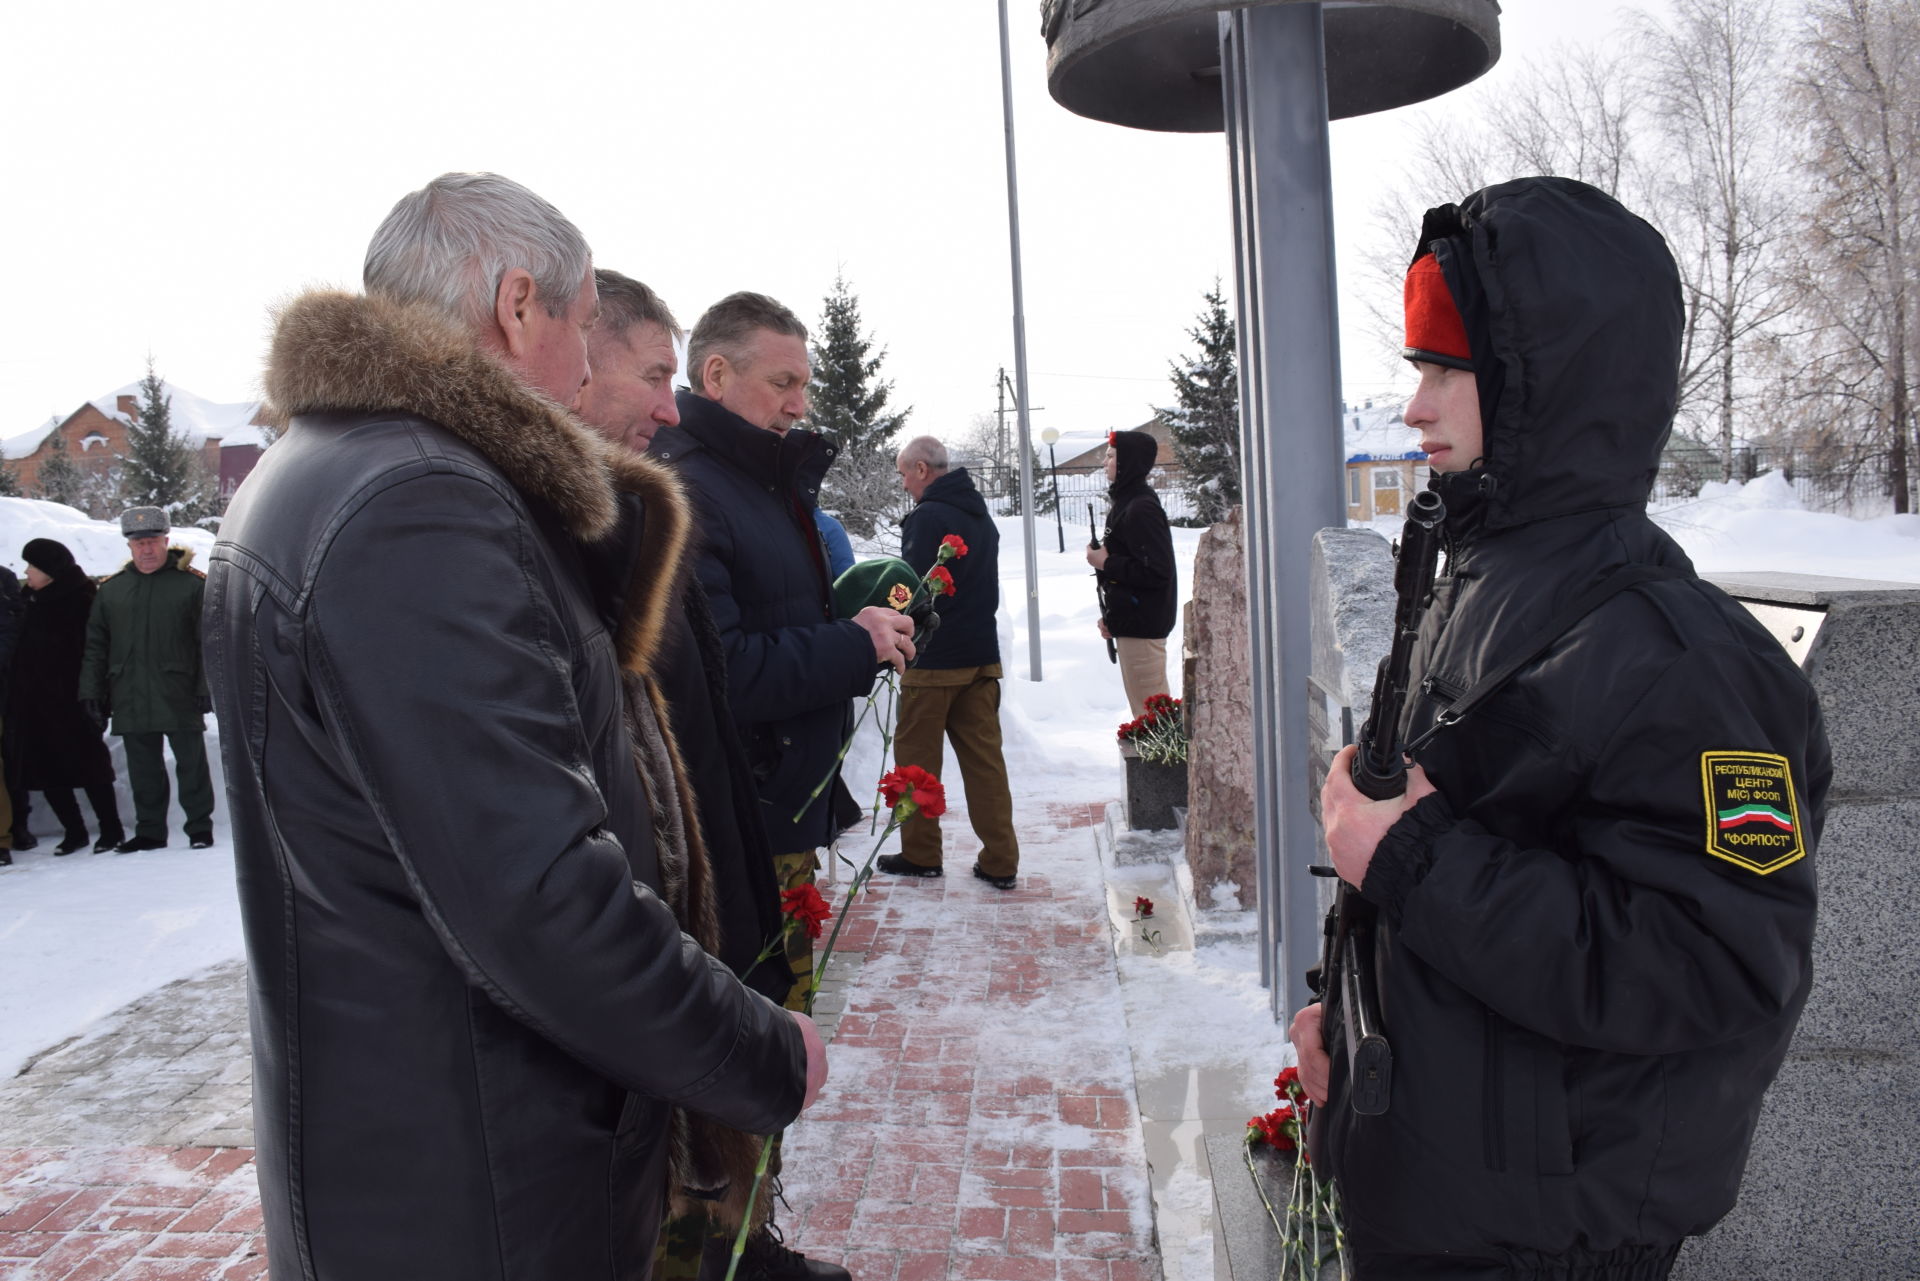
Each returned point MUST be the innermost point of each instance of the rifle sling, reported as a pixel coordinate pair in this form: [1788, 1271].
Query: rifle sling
[1572, 612]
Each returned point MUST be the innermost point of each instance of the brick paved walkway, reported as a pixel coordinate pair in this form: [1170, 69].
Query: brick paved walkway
[980, 1121]
[979, 1125]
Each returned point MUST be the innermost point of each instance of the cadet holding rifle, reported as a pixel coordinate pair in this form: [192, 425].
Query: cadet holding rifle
[1135, 569]
[1592, 904]
[1100, 591]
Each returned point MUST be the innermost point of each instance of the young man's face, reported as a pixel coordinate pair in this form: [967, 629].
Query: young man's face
[768, 387]
[1112, 465]
[1445, 410]
[631, 395]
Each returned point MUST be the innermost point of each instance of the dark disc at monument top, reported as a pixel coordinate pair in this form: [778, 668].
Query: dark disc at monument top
[1155, 64]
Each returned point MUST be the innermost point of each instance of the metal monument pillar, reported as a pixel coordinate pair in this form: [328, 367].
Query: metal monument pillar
[1270, 74]
[1273, 79]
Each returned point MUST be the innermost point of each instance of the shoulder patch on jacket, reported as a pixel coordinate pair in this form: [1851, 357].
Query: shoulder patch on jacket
[1753, 820]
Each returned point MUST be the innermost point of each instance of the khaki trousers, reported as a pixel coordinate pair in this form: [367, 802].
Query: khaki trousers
[1143, 669]
[961, 704]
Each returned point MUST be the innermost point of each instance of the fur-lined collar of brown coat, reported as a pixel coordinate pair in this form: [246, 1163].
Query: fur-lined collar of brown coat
[340, 352]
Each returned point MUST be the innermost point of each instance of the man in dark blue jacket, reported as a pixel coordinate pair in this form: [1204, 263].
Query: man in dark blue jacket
[954, 688]
[792, 667]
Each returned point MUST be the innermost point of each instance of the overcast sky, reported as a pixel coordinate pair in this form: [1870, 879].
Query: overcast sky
[174, 169]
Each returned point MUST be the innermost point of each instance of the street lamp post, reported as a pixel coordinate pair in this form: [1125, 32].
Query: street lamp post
[1050, 435]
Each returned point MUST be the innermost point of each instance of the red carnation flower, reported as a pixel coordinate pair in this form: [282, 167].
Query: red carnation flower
[1143, 907]
[806, 908]
[1278, 1129]
[955, 544]
[941, 580]
[1287, 1085]
[909, 785]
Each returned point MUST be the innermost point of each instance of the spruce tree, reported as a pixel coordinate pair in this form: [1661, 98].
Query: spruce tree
[1206, 422]
[849, 404]
[161, 468]
[9, 480]
[59, 480]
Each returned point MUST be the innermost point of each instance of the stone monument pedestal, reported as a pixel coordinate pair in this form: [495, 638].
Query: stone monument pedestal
[1830, 1188]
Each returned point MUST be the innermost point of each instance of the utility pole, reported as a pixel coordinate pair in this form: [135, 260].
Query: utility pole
[1000, 439]
[1006, 389]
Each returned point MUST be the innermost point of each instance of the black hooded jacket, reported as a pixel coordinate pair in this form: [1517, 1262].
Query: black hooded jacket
[1594, 951]
[1139, 580]
[968, 636]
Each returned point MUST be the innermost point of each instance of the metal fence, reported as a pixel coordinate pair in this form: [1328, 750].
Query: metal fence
[1076, 487]
[1857, 486]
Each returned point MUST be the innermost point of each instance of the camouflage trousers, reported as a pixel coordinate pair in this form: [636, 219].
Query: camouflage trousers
[692, 1246]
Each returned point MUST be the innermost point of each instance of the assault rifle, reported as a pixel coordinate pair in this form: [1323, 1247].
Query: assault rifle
[1347, 984]
[1093, 540]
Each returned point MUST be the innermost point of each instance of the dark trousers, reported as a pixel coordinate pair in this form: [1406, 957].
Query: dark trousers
[147, 775]
[106, 810]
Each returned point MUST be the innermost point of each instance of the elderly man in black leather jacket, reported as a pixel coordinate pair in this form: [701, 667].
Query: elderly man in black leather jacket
[473, 1014]
[1597, 894]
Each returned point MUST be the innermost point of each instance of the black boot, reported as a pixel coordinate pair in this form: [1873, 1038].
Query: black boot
[70, 843]
[23, 839]
[6, 858]
[901, 865]
[110, 839]
[767, 1258]
[138, 844]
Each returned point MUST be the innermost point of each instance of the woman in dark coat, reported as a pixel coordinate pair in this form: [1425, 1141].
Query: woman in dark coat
[54, 748]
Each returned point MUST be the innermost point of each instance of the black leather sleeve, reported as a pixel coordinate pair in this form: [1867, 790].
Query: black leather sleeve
[445, 676]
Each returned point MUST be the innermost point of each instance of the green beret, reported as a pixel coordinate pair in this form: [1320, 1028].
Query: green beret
[889, 582]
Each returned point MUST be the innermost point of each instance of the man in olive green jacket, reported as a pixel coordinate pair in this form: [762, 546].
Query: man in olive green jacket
[143, 667]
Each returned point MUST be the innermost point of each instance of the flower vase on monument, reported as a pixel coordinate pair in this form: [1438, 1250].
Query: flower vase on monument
[1153, 755]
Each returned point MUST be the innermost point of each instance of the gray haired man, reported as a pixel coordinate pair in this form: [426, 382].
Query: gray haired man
[475, 1012]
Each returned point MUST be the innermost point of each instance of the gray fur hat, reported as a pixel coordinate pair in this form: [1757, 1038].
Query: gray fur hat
[144, 522]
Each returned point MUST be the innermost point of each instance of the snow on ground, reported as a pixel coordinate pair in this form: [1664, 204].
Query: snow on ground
[86, 934]
[89, 933]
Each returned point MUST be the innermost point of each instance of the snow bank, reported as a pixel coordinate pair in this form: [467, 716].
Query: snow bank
[97, 544]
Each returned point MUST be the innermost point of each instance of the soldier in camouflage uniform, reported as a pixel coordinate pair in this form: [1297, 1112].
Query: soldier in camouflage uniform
[143, 669]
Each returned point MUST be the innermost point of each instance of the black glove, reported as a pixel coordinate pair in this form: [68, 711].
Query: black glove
[926, 621]
[204, 703]
[96, 712]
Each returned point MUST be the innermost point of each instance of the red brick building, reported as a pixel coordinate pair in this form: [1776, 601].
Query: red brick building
[95, 438]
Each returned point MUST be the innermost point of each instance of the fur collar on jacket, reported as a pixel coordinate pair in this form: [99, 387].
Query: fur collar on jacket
[336, 351]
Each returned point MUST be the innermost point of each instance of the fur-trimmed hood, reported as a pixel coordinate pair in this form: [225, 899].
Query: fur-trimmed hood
[334, 351]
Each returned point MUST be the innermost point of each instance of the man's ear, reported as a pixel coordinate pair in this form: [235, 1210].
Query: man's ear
[713, 371]
[513, 302]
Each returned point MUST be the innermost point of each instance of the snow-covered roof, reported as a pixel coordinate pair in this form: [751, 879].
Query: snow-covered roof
[1377, 435]
[195, 416]
[26, 442]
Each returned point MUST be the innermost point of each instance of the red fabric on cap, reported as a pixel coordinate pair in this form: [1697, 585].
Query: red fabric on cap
[1435, 331]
